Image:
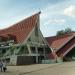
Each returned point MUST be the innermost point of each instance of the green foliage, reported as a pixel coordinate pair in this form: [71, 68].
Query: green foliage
[62, 32]
[68, 30]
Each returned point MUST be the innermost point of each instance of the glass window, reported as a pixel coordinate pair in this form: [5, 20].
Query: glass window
[33, 50]
[23, 50]
[36, 31]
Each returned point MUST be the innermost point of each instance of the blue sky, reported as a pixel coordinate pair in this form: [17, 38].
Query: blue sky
[56, 14]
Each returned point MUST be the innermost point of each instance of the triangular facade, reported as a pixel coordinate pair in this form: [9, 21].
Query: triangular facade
[23, 43]
[63, 45]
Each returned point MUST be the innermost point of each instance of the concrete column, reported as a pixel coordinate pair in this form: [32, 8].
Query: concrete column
[44, 54]
[36, 53]
[28, 46]
[15, 51]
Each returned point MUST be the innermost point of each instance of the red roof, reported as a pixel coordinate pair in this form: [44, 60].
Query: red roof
[22, 29]
[57, 42]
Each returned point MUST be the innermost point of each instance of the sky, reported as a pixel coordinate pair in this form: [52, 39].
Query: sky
[55, 15]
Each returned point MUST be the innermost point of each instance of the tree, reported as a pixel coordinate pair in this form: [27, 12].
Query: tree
[62, 32]
[68, 30]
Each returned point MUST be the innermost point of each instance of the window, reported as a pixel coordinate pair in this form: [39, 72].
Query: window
[33, 50]
[3, 51]
[23, 50]
[0, 39]
[29, 39]
[47, 50]
[40, 50]
[36, 31]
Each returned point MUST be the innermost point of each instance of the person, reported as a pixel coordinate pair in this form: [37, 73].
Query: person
[1, 65]
[4, 66]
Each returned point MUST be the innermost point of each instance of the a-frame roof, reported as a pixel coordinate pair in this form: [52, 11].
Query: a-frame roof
[21, 29]
[56, 42]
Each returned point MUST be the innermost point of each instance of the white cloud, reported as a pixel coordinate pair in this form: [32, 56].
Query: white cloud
[59, 21]
[70, 11]
[55, 21]
[50, 11]
[6, 22]
[49, 15]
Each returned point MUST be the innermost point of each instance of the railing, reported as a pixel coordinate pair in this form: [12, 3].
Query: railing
[34, 43]
[9, 41]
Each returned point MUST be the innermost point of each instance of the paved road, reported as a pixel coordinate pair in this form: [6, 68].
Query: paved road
[42, 69]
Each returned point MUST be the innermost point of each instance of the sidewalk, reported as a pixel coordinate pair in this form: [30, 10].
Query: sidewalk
[21, 70]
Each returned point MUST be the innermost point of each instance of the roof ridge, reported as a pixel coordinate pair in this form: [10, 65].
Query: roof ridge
[20, 21]
[69, 34]
[23, 28]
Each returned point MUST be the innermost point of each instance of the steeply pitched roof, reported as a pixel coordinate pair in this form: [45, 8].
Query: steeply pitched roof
[21, 29]
[57, 42]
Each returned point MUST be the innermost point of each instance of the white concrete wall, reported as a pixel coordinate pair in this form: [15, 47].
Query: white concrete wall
[13, 60]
